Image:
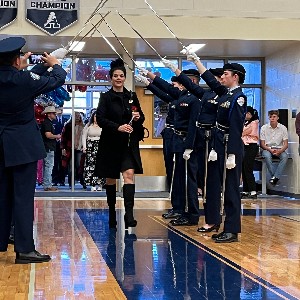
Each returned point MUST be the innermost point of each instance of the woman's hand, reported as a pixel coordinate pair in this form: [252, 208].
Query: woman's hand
[136, 115]
[125, 128]
[63, 152]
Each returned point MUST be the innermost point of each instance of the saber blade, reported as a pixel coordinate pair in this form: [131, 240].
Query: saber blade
[168, 28]
[141, 36]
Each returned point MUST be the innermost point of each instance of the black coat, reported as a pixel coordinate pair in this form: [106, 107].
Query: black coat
[114, 110]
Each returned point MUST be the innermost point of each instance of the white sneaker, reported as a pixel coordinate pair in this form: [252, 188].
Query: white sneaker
[93, 189]
[99, 189]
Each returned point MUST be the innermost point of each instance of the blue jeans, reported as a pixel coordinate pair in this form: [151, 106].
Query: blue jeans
[276, 172]
[48, 167]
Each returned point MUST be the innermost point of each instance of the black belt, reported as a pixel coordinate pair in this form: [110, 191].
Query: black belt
[222, 127]
[181, 133]
[205, 126]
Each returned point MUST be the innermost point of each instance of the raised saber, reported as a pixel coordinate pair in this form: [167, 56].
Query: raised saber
[140, 36]
[91, 30]
[114, 49]
[120, 42]
[98, 7]
[168, 28]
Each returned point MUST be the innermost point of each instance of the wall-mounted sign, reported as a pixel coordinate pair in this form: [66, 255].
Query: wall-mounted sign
[52, 16]
[8, 12]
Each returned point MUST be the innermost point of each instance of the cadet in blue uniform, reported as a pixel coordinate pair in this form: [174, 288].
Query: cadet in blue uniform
[176, 183]
[21, 144]
[205, 130]
[186, 112]
[230, 121]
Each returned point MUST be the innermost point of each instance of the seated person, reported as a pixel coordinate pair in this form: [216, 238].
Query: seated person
[274, 142]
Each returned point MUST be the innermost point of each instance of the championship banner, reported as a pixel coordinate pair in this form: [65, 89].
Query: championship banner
[52, 16]
[8, 12]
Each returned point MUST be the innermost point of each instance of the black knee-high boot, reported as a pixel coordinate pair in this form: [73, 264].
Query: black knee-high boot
[128, 194]
[111, 201]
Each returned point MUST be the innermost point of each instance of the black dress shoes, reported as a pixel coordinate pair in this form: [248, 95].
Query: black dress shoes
[215, 227]
[31, 257]
[171, 215]
[183, 221]
[227, 237]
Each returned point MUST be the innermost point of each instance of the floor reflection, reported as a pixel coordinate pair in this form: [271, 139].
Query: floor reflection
[167, 266]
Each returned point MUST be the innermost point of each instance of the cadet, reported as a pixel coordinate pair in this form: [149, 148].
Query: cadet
[204, 138]
[176, 183]
[21, 144]
[229, 145]
[186, 111]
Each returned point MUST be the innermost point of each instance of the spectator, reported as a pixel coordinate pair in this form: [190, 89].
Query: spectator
[90, 140]
[66, 146]
[250, 138]
[49, 138]
[274, 142]
[58, 173]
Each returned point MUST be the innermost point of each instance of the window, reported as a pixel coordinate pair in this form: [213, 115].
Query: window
[93, 69]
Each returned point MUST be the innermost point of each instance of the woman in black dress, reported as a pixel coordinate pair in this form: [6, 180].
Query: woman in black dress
[120, 116]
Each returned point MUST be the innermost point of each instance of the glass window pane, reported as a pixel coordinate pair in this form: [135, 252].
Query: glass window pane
[253, 70]
[254, 98]
[186, 65]
[156, 67]
[93, 69]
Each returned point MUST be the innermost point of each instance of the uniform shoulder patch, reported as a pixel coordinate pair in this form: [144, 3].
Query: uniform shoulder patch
[35, 76]
[240, 101]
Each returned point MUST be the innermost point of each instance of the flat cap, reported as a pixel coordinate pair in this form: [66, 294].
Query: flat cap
[235, 67]
[191, 72]
[216, 71]
[11, 45]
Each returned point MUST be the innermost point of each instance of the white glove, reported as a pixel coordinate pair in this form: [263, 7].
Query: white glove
[142, 79]
[187, 154]
[213, 156]
[143, 71]
[230, 162]
[192, 56]
[59, 53]
[169, 64]
[184, 51]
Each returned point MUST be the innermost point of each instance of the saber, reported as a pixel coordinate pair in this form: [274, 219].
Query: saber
[101, 3]
[140, 36]
[173, 172]
[122, 45]
[224, 176]
[168, 28]
[186, 184]
[207, 138]
[114, 49]
[92, 29]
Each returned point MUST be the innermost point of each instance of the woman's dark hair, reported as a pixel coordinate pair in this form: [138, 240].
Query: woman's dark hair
[117, 64]
[92, 118]
[254, 114]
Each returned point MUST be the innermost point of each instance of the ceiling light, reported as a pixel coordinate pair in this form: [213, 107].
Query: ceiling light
[77, 46]
[195, 47]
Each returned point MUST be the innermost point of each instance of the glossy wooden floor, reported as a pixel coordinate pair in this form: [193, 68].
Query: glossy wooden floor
[269, 249]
